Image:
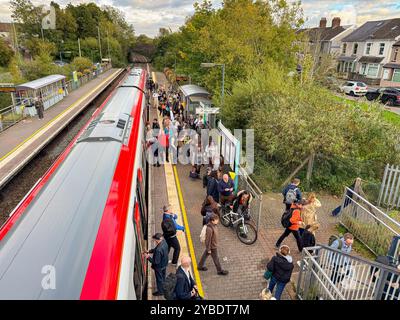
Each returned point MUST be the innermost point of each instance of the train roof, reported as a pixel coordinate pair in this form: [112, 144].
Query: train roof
[60, 225]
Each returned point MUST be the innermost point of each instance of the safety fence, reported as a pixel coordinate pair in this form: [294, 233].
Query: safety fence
[389, 195]
[13, 114]
[368, 223]
[329, 274]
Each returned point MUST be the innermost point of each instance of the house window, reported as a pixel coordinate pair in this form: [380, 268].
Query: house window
[355, 48]
[396, 75]
[396, 52]
[386, 74]
[344, 48]
[368, 48]
[381, 49]
[373, 70]
[363, 68]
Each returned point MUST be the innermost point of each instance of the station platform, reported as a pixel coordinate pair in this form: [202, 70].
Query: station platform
[21, 142]
[245, 263]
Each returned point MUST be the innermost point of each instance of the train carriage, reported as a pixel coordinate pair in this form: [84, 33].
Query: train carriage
[81, 231]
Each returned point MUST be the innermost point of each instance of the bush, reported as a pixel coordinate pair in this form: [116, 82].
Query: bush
[81, 64]
[293, 119]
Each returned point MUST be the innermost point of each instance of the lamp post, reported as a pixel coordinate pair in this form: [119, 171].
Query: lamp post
[212, 65]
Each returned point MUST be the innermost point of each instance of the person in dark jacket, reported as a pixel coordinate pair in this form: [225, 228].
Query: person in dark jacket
[171, 238]
[225, 189]
[209, 207]
[159, 262]
[281, 267]
[212, 186]
[294, 185]
[242, 202]
[185, 288]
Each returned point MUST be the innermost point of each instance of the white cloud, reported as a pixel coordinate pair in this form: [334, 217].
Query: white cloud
[147, 16]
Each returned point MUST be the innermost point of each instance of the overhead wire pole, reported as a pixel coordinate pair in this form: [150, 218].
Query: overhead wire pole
[98, 32]
[108, 47]
[79, 47]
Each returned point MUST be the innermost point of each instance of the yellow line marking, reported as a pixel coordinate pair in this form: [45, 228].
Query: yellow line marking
[188, 234]
[57, 117]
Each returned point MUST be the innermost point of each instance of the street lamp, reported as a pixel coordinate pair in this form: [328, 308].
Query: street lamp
[212, 65]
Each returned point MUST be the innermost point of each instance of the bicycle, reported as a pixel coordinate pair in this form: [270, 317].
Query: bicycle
[245, 230]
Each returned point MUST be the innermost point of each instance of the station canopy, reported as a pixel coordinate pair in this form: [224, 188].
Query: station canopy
[40, 83]
[193, 90]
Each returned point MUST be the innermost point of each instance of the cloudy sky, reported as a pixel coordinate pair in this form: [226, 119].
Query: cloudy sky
[148, 16]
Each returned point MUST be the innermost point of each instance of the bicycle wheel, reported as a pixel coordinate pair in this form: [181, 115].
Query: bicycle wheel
[225, 220]
[247, 233]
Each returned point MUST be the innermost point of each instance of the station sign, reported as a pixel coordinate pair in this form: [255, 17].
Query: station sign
[7, 87]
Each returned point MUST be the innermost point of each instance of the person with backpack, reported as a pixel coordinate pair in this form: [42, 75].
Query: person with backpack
[159, 262]
[211, 243]
[291, 193]
[291, 221]
[280, 268]
[208, 208]
[344, 245]
[169, 227]
[185, 288]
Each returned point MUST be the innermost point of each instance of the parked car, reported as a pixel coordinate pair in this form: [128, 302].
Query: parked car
[388, 96]
[355, 88]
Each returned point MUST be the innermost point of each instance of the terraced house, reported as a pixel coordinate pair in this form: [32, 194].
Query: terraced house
[370, 53]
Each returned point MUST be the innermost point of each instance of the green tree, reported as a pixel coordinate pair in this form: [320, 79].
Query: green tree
[6, 53]
[81, 64]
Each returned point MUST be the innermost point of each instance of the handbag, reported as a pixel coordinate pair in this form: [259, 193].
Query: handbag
[267, 274]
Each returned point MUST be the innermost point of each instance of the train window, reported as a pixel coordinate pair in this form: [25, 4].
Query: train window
[138, 272]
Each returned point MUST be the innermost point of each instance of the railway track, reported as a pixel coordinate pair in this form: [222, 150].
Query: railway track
[16, 189]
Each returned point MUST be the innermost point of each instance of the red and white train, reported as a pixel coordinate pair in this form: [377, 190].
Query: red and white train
[81, 231]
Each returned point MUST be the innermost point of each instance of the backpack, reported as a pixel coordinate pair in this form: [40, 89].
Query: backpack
[285, 220]
[168, 227]
[333, 238]
[291, 196]
[203, 234]
[169, 286]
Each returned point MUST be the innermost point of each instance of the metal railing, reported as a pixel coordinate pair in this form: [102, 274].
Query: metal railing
[10, 116]
[13, 114]
[374, 228]
[389, 194]
[246, 183]
[329, 274]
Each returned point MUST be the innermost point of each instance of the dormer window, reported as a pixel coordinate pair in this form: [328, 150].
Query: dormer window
[368, 48]
[355, 48]
[381, 49]
[344, 48]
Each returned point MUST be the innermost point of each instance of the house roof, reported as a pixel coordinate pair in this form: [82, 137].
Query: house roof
[322, 34]
[40, 83]
[5, 27]
[392, 65]
[369, 59]
[347, 59]
[382, 30]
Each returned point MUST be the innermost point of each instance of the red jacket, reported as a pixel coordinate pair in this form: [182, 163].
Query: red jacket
[296, 217]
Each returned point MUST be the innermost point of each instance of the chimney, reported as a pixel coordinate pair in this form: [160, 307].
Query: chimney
[335, 22]
[322, 23]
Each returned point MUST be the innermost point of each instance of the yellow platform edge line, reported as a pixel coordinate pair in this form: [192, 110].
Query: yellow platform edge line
[57, 117]
[188, 234]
